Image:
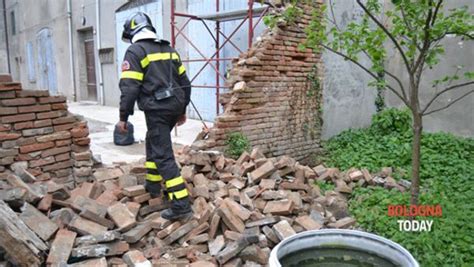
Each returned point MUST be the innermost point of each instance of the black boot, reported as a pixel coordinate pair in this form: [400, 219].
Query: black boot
[180, 209]
[154, 188]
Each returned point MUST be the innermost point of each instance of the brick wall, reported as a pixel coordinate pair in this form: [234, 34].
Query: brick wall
[272, 101]
[38, 134]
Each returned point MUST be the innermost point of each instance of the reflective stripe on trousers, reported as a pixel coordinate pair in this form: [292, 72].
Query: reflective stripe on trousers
[152, 173]
[176, 188]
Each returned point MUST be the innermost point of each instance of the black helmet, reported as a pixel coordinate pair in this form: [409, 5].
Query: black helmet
[134, 24]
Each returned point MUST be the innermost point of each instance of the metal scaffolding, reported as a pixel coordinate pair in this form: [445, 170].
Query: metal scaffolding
[247, 15]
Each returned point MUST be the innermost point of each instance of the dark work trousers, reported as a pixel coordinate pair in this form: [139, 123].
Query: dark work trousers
[161, 164]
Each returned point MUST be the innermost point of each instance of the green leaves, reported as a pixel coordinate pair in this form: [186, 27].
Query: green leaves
[392, 120]
[447, 177]
[237, 143]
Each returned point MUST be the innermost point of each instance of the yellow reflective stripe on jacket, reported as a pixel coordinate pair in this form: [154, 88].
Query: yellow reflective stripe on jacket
[174, 182]
[178, 194]
[157, 57]
[132, 75]
[181, 70]
[150, 165]
[154, 177]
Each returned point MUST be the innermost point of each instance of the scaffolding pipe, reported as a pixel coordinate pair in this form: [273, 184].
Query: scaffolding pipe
[250, 22]
[218, 29]
[218, 17]
[99, 46]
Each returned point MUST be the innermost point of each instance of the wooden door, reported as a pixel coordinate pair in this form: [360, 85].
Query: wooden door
[90, 67]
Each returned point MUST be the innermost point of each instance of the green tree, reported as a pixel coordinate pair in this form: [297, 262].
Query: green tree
[413, 29]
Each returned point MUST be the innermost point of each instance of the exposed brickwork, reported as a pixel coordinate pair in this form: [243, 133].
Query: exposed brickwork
[272, 101]
[36, 129]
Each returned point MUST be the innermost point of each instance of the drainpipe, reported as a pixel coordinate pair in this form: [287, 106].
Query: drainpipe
[101, 82]
[6, 35]
[71, 51]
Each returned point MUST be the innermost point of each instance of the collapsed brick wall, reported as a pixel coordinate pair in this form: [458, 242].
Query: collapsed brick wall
[272, 101]
[37, 134]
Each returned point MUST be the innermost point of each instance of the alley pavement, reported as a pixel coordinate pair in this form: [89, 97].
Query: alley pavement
[102, 120]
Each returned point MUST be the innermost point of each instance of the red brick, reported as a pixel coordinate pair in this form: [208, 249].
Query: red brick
[35, 108]
[8, 136]
[7, 94]
[18, 118]
[136, 258]
[283, 229]
[37, 131]
[42, 123]
[121, 216]
[262, 172]
[61, 247]
[23, 157]
[23, 125]
[32, 93]
[83, 156]
[231, 220]
[6, 161]
[26, 141]
[84, 141]
[343, 223]
[52, 99]
[38, 222]
[106, 198]
[51, 114]
[62, 157]
[55, 151]
[18, 102]
[79, 132]
[63, 142]
[36, 147]
[86, 227]
[5, 78]
[79, 149]
[280, 207]
[8, 110]
[42, 162]
[5, 127]
[64, 120]
[58, 166]
[45, 203]
[135, 190]
[81, 124]
[59, 106]
[35, 172]
[308, 223]
[63, 127]
[237, 209]
[8, 86]
[54, 136]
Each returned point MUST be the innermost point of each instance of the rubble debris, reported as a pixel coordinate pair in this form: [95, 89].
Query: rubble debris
[21, 244]
[242, 208]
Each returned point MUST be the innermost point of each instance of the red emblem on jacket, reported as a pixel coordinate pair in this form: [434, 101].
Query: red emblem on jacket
[125, 65]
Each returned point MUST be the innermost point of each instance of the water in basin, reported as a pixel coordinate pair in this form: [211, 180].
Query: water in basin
[334, 257]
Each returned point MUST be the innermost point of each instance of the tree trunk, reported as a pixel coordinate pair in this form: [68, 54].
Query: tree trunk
[416, 157]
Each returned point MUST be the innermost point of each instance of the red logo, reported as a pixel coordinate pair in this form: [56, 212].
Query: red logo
[415, 210]
[125, 65]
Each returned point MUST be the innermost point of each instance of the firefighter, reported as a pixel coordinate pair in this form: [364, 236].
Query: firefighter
[153, 75]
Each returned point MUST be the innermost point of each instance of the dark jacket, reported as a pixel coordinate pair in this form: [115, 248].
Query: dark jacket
[150, 66]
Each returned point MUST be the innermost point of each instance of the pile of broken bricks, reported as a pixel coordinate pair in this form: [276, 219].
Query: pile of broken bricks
[242, 209]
